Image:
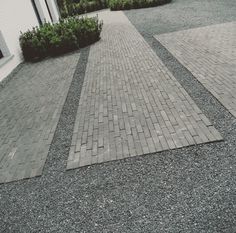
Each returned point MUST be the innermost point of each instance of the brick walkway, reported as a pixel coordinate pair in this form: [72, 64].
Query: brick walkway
[209, 53]
[130, 103]
[30, 107]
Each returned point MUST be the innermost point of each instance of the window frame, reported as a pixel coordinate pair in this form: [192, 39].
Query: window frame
[36, 12]
[49, 11]
[1, 54]
[6, 55]
[3, 46]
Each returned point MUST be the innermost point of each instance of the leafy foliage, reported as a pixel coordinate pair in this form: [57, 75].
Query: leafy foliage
[134, 4]
[75, 7]
[86, 6]
[55, 39]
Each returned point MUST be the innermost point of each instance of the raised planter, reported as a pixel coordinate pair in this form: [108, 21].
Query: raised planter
[135, 4]
[56, 39]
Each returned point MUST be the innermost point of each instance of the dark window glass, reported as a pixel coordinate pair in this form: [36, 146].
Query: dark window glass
[1, 55]
[49, 10]
[36, 12]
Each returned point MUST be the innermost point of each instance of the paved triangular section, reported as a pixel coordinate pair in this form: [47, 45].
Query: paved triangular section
[209, 53]
[130, 103]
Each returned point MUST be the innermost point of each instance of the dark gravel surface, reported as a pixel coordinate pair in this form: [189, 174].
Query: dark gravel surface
[182, 14]
[186, 190]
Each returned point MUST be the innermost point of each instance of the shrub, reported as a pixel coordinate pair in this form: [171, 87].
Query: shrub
[83, 6]
[77, 7]
[86, 6]
[55, 39]
[134, 4]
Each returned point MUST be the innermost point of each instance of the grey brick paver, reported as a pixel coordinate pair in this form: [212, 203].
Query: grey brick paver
[209, 53]
[139, 108]
[30, 106]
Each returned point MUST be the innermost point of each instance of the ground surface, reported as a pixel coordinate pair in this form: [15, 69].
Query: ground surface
[209, 53]
[184, 190]
[30, 108]
[134, 106]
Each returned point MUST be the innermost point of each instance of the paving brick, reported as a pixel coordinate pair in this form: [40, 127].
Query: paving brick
[209, 53]
[141, 107]
[30, 107]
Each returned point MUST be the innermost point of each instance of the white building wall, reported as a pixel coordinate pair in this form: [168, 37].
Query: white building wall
[17, 16]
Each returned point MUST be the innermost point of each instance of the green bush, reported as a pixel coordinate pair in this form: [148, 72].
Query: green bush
[55, 39]
[84, 6]
[77, 7]
[134, 4]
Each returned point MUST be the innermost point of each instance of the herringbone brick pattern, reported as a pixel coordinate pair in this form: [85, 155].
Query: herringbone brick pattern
[209, 53]
[30, 106]
[130, 103]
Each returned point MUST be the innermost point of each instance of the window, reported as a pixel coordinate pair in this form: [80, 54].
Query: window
[1, 55]
[36, 12]
[49, 12]
[5, 54]
[4, 51]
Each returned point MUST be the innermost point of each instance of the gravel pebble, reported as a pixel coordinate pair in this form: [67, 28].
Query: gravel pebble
[185, 190]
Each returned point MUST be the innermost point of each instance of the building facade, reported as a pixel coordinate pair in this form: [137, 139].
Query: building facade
[19, 16]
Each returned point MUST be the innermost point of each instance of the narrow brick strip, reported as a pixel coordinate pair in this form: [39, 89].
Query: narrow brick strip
[59, 149]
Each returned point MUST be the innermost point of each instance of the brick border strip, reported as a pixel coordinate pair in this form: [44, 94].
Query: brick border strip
[59, 149]
[209, 105]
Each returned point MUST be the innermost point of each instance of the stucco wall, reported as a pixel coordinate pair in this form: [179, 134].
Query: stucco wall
[16, 16]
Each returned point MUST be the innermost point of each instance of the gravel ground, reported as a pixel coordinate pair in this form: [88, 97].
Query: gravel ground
[182, 14]
[185, 190]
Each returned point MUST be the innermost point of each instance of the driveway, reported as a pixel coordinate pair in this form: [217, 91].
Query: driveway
[170, 135]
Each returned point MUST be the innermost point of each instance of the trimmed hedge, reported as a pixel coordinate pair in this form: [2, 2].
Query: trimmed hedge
[86, 6]
[135, 4]
[77, 7]
[83, 6]
[56, 39]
